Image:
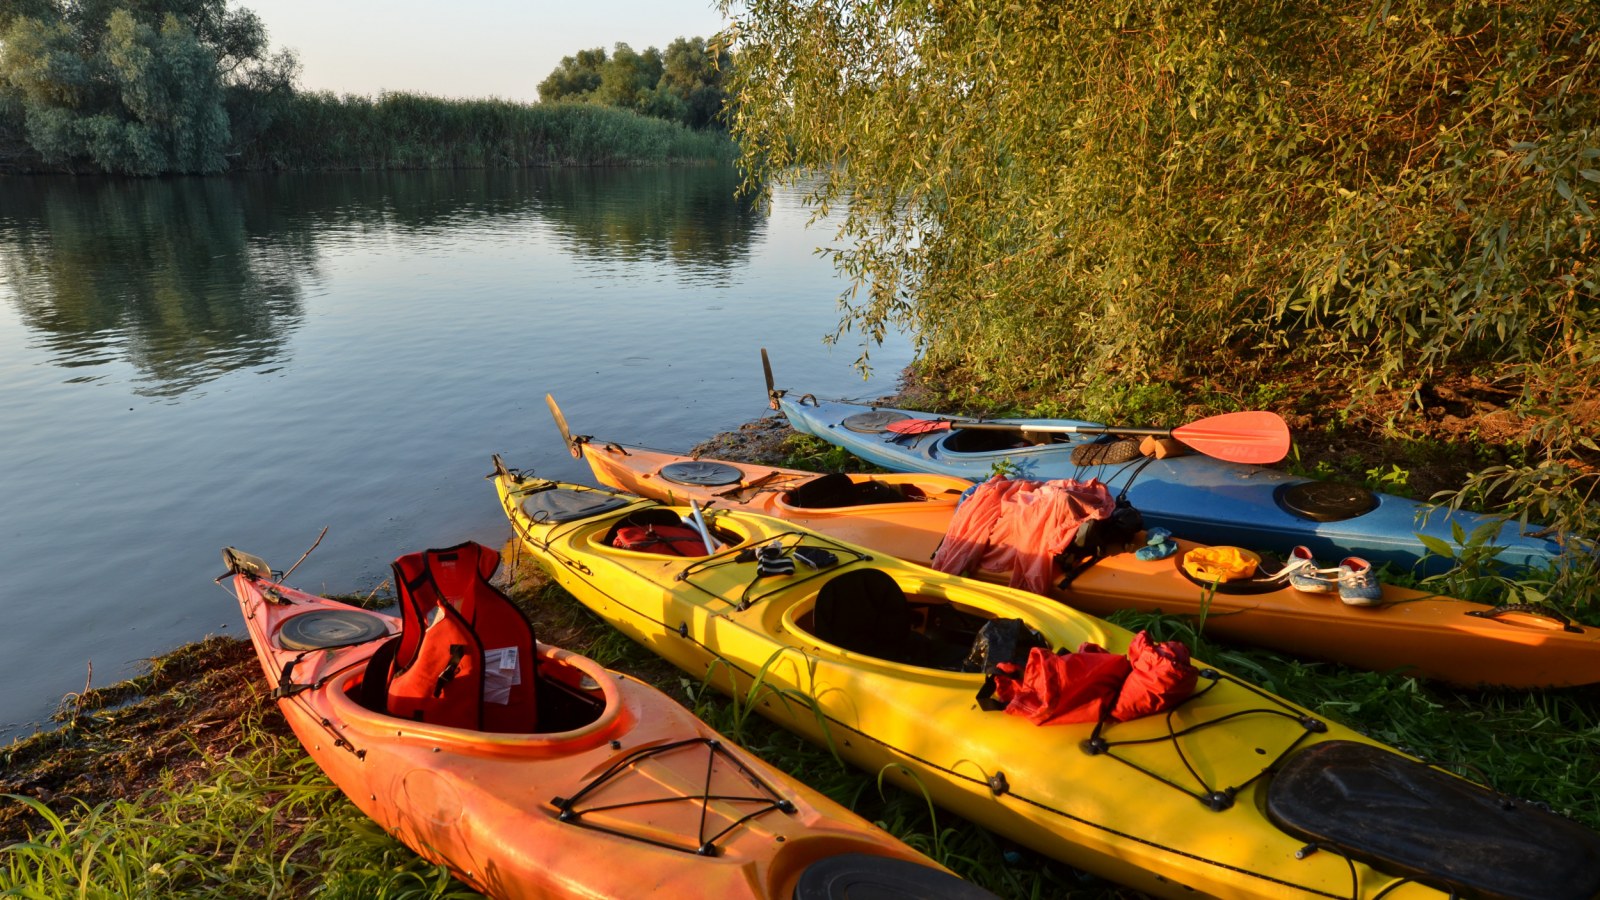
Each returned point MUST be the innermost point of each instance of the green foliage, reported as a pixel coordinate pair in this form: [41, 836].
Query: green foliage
[1066, 196]
[1390, 479]
[1167, 181]
[135, 88]
[576, 78]
[1003, 467]
[628, 79]
[694, 73]
[809, 452]
[685, 84]
[413, 131]
[147, 87]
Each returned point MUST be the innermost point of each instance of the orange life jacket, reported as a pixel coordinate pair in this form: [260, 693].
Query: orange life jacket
[466, 653]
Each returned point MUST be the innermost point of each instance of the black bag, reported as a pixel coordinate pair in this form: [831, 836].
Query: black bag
[1001, 641]
[1099, 538]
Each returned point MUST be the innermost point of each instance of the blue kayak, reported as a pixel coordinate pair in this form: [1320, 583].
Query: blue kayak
[1194, 496]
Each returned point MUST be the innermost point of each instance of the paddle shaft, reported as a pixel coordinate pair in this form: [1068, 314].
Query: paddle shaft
[1062, 429]
[699, 524]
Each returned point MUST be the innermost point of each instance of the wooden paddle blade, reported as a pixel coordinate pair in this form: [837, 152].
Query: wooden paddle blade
[766, 369]
[1243, 437]
[917, 426]
[561, 423]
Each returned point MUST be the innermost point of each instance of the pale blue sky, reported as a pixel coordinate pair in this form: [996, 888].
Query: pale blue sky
[468, 48]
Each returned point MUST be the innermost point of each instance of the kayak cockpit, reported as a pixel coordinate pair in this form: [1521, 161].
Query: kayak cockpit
[579, 705]
[837, 489]
[466, 657]
[659, 531]
[977, 440]
[865, 611]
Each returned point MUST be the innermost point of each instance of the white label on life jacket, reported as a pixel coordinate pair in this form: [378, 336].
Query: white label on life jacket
[500, 674]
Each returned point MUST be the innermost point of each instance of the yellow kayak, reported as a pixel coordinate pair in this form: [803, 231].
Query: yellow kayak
[906, 515]
[1218, 796]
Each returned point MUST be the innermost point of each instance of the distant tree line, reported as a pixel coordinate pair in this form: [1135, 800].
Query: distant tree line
[150, 87]
[686, 84]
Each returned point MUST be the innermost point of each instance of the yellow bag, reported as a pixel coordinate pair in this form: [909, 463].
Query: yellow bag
[1220, 563]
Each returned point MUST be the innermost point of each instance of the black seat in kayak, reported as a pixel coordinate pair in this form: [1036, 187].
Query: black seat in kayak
[1406, 818]
[864, 611]
[837, 489]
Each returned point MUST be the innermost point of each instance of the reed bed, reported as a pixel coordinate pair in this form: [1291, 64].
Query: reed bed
[324, 131]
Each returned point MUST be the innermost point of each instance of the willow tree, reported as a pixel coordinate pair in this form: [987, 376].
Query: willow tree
[1048, 190]
[1053, 193]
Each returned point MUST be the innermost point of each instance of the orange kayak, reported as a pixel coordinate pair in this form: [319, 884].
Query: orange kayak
[904, 515]
[617, 791]
[1410, 631]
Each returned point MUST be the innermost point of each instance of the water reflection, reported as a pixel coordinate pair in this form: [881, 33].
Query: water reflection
[185, 279]
[169, 277]
[687, 217]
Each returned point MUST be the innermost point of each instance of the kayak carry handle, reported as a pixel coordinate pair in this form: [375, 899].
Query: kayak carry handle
[1533, 609]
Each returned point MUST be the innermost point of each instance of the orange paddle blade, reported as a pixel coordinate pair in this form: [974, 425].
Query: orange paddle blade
[1245, 437]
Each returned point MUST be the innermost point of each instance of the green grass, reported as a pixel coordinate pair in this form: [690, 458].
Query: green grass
[266, 823]
[812, 453]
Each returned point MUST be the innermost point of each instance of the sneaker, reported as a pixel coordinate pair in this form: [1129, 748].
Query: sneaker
[1358, 585]
[1304, 575]
[771, 561]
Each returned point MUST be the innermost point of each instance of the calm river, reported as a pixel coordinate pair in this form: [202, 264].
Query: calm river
[190, 363]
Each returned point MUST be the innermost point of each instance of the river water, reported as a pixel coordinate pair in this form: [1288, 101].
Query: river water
[192, 363]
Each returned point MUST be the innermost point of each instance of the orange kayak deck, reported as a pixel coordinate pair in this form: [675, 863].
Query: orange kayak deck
[1412, 632]
[910, 530]
[630, 776]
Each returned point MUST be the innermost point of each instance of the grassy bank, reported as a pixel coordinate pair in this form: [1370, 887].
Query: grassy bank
[187, 781]
[321, 131]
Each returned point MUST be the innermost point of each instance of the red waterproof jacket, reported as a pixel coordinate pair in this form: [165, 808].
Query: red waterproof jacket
[1018, 527]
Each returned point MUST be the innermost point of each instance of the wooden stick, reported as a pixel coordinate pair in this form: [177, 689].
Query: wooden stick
[285, 576]
[751, 485]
